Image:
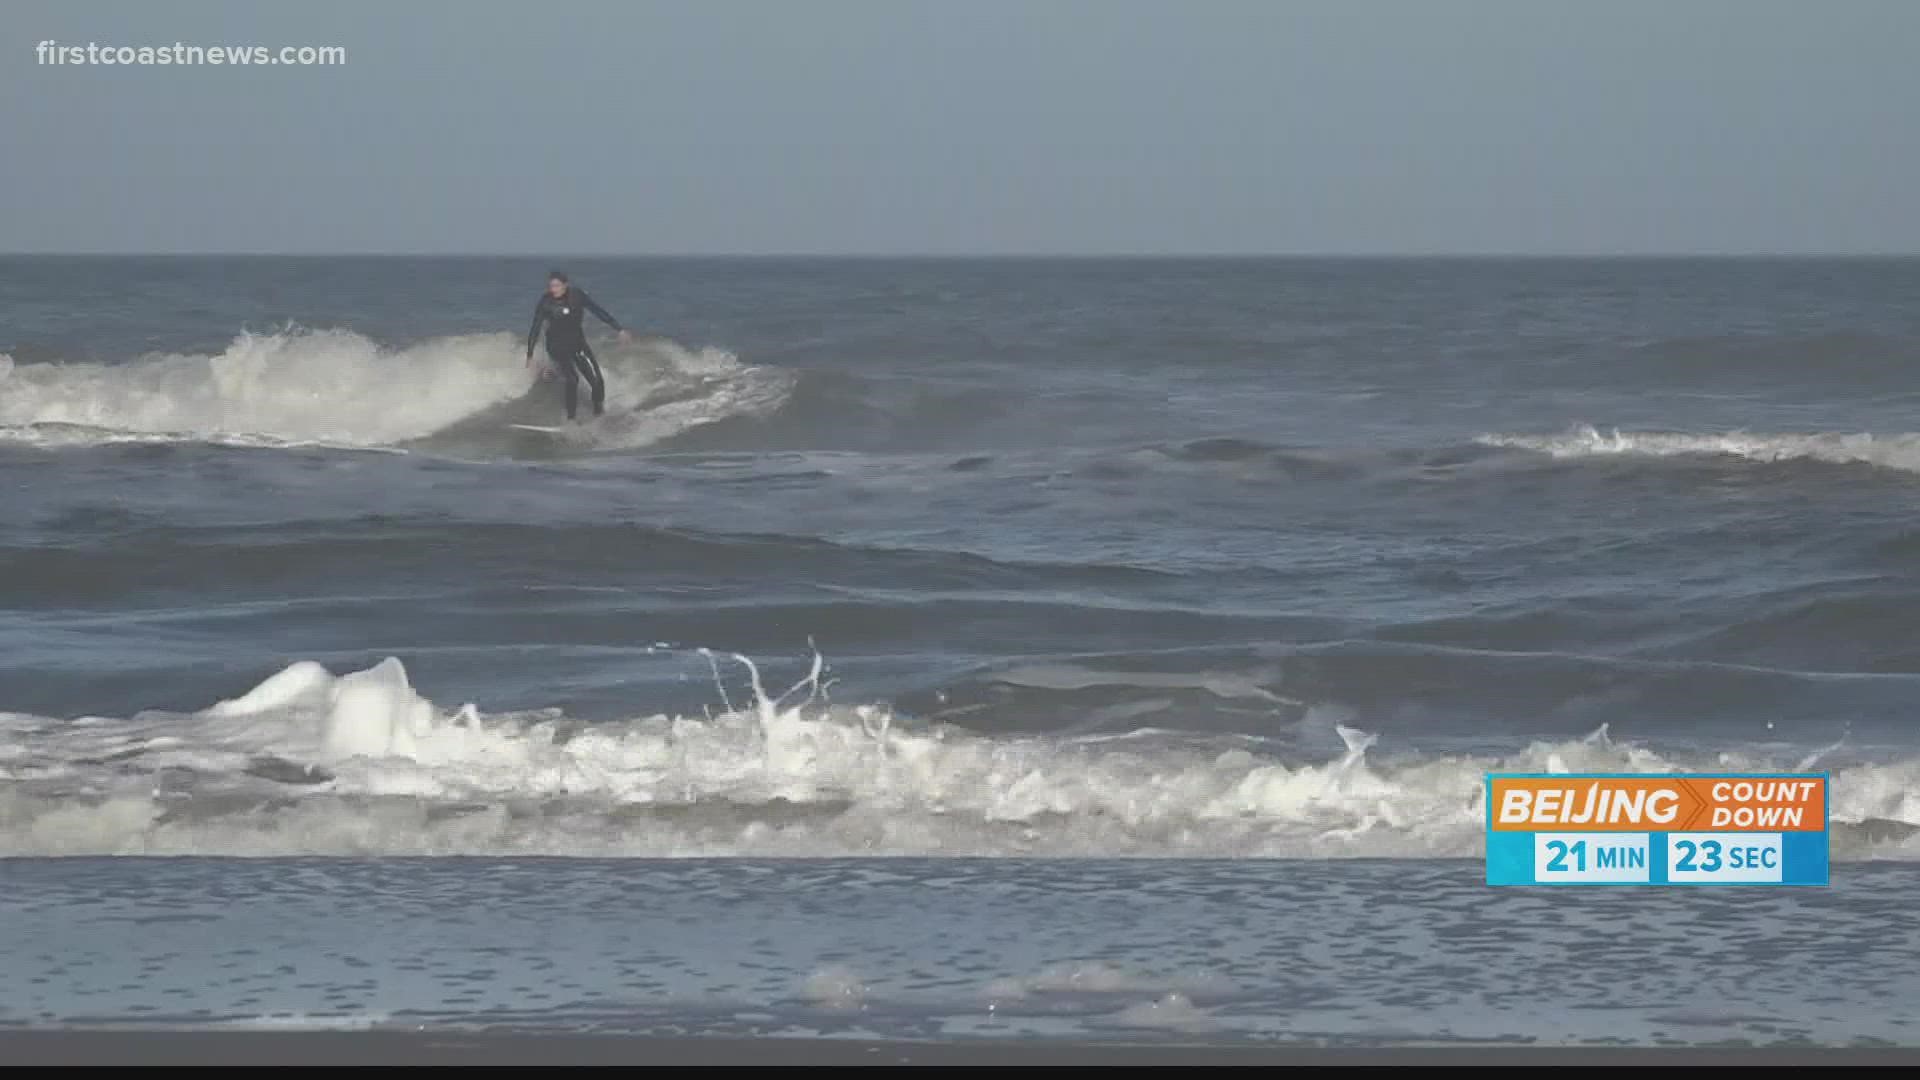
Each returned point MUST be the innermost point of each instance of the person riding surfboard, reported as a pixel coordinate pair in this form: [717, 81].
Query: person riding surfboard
[563, 310]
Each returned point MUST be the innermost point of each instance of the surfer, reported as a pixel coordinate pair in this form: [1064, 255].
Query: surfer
[563, 309]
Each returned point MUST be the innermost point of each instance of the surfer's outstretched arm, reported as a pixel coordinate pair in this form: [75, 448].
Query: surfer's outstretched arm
[587, 302]
[533, 333]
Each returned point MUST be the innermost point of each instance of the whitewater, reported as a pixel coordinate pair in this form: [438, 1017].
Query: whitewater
[313, 763]
[1899, 450]
[338, 387]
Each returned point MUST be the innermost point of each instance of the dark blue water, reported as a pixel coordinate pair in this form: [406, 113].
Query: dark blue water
[1098, 557]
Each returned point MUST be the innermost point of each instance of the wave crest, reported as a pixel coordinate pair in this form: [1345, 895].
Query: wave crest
[340, 388]
[361, 764]
[1900, 451]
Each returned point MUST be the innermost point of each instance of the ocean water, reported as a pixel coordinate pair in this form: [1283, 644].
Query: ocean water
[1337, 952]
[983, 565]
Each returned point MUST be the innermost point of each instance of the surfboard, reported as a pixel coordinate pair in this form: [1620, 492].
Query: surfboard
[536, 427]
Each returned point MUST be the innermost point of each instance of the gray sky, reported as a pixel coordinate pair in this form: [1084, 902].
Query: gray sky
[966, 126]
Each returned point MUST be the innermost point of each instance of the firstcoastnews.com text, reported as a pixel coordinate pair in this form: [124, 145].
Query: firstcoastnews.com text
[181, 54]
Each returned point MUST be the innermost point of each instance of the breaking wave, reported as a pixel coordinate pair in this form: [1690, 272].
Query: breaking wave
[1900, 451]
[339, 388]
[310, 763]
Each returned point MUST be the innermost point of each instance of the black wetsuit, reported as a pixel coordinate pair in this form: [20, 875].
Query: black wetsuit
[567, 344]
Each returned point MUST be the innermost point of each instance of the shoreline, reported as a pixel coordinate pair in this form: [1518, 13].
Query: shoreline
[123, 1047]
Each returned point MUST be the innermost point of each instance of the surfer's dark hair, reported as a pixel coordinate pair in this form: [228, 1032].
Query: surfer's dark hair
[559, 276]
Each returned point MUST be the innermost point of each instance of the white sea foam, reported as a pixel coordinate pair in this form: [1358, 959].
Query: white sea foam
[835, 987]
[328, 385]
[1901, 451]
[1099, 979]
[1170, 1012]
[339, 388]
[315, 763]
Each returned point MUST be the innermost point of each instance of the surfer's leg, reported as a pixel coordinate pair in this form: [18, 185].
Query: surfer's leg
[563, 366]
[590, 370]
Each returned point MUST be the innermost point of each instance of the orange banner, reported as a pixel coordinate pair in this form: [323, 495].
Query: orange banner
[1658, 803]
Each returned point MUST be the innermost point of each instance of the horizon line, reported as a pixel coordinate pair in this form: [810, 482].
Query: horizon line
[1142, 256]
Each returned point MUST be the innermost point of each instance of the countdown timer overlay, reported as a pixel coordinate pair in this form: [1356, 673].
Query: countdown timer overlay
[1639, 829]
